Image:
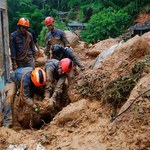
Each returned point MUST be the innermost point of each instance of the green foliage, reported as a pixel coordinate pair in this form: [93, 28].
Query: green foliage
[23, 8]
[146, 9]
[36, 21]
[73, 15]
[131, 9]
[107, 23]
[60, 25]
[42, 36]
[73, 3]
[109, 18]
[119, 89]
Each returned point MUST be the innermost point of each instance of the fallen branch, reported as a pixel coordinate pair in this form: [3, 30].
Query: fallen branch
[113, 118]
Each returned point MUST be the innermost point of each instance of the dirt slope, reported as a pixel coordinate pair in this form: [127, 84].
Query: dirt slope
[97, 96]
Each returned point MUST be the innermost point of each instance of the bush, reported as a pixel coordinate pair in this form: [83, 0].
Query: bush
[105, 24]
[42, 36]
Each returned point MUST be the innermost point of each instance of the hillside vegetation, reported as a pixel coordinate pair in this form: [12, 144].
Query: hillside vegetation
[104, 18]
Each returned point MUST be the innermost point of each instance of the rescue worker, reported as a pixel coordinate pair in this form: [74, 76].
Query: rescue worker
[22, 47]
[54, 36]
[27, 80]
[56, 72]
[59, 52]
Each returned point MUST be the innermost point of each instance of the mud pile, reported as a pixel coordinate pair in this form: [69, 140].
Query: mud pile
[98, 95]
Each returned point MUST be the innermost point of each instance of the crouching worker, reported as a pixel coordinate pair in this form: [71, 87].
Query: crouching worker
[28, 80]
[59, 52]
[56, 72]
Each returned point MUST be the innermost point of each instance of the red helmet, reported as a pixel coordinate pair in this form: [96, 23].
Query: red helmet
[24, 22]
[66, 65]
[49, 21]
[38, 77]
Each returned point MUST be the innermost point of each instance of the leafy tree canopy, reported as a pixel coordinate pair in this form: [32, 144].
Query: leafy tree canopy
[104, 18]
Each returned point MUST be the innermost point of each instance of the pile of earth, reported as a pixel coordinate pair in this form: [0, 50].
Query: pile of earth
[109, 103]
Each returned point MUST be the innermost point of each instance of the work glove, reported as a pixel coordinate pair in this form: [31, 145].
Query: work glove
[46, 95]
[36, 107]
[51, 103]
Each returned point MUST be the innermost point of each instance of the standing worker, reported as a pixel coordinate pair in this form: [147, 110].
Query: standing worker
[54, 36]
[22, 47]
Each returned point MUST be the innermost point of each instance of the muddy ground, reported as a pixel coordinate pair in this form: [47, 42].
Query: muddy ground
[92, 121]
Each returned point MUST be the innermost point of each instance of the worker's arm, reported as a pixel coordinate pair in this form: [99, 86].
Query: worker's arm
[74, 58]
[58, 88]
[27, 90]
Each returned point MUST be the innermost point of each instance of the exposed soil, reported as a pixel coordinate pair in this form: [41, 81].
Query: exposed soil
[90, 121]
